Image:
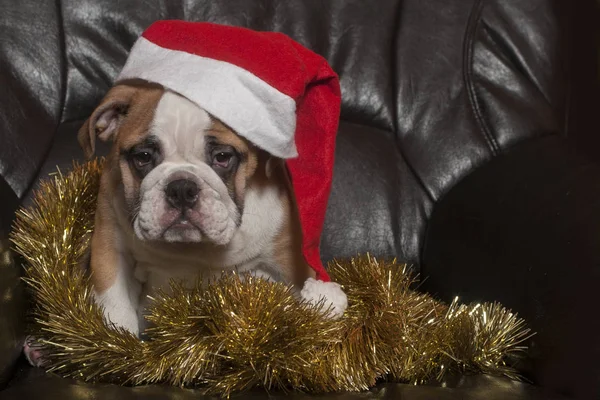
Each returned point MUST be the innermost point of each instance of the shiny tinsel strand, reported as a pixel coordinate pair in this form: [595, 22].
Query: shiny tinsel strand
[240, 332]
[237, 333]
[387, 323]
[53, 237]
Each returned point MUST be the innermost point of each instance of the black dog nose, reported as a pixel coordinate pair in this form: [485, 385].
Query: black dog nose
[182, 193]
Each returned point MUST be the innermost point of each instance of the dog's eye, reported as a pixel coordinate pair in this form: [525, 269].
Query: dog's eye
[142, 159]
[222, 159]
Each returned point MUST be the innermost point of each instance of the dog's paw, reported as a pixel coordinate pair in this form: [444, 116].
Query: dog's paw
[33, 352]
[118, 311]
[121, 316]
[127, 321]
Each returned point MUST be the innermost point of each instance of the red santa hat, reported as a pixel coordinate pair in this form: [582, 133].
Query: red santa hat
[271, 90]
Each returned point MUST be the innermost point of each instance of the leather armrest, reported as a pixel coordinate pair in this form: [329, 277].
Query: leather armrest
[12, 300]
[32, 75]
[525, 230]
[32, 72]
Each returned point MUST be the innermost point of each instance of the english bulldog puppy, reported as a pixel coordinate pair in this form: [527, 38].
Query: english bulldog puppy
[182, 195]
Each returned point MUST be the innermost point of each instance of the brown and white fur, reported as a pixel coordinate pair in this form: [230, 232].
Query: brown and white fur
[182, 195]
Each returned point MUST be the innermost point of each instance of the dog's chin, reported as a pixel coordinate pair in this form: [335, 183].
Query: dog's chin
[182, 233]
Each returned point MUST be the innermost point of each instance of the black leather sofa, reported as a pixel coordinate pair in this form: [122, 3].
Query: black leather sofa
[467, 147]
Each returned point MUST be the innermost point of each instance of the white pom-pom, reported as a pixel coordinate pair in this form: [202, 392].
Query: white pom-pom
[314, 291]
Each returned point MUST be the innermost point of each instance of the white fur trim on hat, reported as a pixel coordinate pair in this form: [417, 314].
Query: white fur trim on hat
[331, 292]
[250, 106]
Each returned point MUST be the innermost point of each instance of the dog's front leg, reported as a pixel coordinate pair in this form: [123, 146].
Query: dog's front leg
[120, 301]
[112, 267]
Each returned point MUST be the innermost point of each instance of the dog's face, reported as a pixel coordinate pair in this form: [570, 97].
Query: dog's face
[183, 173]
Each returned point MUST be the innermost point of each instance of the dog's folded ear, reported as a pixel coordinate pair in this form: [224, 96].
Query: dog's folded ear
[106, 118]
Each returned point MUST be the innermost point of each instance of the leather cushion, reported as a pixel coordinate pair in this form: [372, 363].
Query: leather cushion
[32, 383]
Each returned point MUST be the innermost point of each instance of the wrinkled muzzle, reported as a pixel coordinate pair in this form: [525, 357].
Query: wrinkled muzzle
[185, 203]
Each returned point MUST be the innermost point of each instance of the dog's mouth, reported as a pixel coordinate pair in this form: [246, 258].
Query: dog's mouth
[182, 222]
[182, 229]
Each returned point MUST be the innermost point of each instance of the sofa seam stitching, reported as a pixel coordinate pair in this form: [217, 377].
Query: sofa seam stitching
[468, 49]
[63, 56]
[396, 108]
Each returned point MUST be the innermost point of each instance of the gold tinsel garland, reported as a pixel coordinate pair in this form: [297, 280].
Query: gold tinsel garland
[238, 333]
